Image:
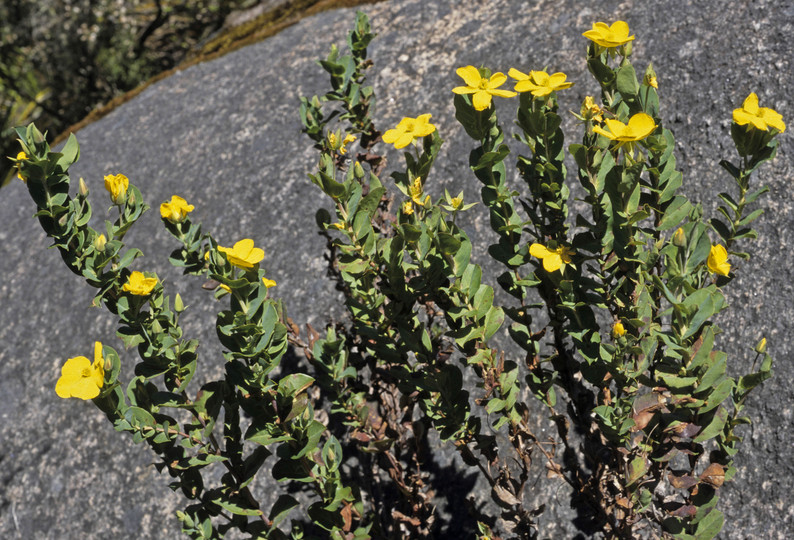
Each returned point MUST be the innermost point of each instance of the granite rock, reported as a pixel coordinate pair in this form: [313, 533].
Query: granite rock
[226, 136]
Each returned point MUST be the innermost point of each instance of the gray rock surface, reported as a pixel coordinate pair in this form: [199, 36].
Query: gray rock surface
[226, 136]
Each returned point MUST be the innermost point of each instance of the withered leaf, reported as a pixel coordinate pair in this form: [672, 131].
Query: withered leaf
[683, 481]
[505, 496]
[714, 475]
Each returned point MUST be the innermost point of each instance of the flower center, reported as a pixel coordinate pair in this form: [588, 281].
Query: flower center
[85, 373]
[483, 84]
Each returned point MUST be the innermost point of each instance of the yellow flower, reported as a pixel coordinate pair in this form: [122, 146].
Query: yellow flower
[482, 88]
[651, 81]
[409, 129]
[408, 208]
[117, 185]
[718, 260]
[80, 378]
[268, 282]
[416, 192]
[175, 210]
[348, 139]
[759, 117]
[609, 36]
[553, 259]
[590, 110]
[640, 126]
[22, 156]
[456, 202]
[618, 330]
[139, 285]
[539, 83]
[332, 140]
[243, 255]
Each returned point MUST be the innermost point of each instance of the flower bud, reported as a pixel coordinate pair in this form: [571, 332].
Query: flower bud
[117, 185]
[358, 171]
[618, 330]
[179, 305]
[679, 238]
[760, 347]
[22, 156]
[82, 188]
[100, 242]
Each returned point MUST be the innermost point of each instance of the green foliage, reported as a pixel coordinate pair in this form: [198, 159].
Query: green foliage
[626, 293]
[62, 59]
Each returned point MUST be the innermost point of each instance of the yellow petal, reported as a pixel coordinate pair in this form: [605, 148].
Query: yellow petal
[502, 93]
[497, 79]
[640, 126]
[470, 75]
[517, 75]
[751, 103]
[390, 136]
[552, 262]
[404, 140]
[538, 250]
[464, 90]
[773, 119]
[742, 117]
[481, 100]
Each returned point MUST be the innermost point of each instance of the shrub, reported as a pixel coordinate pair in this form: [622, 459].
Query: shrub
[625, 292]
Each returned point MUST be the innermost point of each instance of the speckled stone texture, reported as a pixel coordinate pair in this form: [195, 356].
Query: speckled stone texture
[226, 136]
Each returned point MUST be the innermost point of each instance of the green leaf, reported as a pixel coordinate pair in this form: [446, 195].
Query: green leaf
[294, 384]
[710, 525]
[234, 508]
[447, 243]
[281, 509]
[714, 427]
[627, 81]
[493, 321]
[70, 153]
[676, 211]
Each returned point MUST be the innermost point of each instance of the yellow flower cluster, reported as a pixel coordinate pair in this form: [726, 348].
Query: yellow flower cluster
[341, 147]
[416, 191]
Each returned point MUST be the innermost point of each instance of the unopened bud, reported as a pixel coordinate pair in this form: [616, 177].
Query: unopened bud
[760, 347]
[179, 306]
[100, 242]
[618, 330]
[358, 171]
[679, 238]
[83, 189]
